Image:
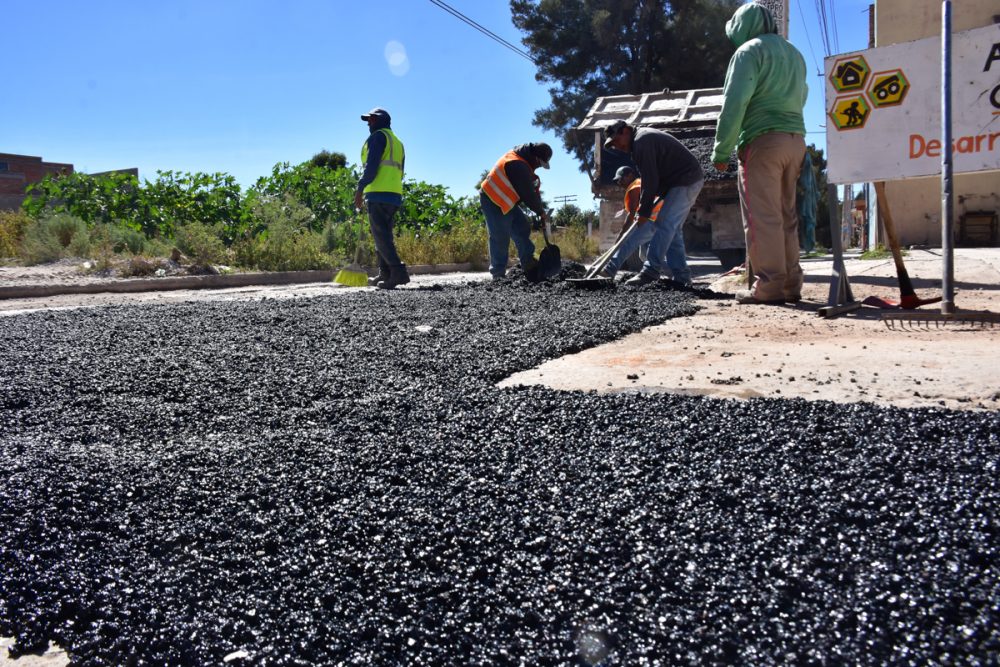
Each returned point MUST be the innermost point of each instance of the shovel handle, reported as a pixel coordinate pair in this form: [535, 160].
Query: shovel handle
[603, 260]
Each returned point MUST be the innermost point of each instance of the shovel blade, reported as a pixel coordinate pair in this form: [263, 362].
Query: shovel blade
[549, 262]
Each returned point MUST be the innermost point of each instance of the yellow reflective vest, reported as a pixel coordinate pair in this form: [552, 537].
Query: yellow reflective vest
[389, 177]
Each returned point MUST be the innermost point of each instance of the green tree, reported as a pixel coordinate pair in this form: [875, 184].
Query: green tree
[329, 160]
[593, 48]
[570, 215]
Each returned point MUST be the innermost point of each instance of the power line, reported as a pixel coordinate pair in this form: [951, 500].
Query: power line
[805, 28]
[484, 30]
[824, 27]
[833, 24]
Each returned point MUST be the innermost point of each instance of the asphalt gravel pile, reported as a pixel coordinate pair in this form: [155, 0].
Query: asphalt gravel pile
[338, 481]
[702, 143]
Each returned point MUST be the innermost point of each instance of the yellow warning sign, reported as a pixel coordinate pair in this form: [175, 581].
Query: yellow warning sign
[850, 113]
[888, 88]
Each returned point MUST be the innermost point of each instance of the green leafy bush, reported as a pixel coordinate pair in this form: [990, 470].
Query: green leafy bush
[327, 193]
[573, 242]
[202, 243]
[125, 239]
[12, 226]
[155, 208]
[289, 242]
[51, 238]
[464, 241]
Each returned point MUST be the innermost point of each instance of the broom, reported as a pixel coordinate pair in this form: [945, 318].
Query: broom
[353, 275]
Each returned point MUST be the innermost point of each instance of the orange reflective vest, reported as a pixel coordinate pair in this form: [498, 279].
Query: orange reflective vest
[636, 186]
[498, 187]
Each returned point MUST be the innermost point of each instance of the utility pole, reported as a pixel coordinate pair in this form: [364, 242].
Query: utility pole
[564, 199]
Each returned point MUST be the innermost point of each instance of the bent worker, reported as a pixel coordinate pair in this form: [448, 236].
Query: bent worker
[512, 181]
[381, 190]
[761, 117]
[669, 171]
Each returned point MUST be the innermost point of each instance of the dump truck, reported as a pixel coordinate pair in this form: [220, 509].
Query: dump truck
[714, 223]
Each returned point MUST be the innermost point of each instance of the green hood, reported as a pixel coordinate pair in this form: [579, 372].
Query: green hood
[748, 22]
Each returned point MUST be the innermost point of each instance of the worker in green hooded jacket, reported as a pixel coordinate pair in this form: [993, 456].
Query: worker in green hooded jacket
[761, 118]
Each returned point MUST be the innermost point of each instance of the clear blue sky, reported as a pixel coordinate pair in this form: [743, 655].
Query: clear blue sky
[239, 85]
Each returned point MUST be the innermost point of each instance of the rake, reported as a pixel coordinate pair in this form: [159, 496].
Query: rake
[908, 298]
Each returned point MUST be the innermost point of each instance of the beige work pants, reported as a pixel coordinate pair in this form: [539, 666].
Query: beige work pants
[769, 169]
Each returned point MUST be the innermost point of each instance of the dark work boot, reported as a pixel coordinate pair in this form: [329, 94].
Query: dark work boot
[397, 276]
[383, 273]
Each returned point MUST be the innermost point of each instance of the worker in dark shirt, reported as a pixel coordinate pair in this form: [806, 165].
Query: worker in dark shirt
[380, 190]
[668, 171]
[512, 181]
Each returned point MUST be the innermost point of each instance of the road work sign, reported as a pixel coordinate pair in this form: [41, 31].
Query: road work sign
[883, 108]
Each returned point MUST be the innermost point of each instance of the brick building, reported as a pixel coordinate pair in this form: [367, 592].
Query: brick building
[17, 172]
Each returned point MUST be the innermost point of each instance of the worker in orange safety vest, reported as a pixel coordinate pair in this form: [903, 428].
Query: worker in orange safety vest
[513, 181]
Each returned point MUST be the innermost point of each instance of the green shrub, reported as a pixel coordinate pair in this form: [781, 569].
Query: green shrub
[288, 242]
[49, 239]
[139, 267]
[102, 247]
[573, 242]
[880, 252]
[126, 239]
[202, 243]
[464, 241]
[12, 226]
[284, 248]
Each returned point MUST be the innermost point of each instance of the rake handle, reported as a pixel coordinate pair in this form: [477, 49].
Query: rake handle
[905, 286]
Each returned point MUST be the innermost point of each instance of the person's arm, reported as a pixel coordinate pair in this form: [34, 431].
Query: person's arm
[741, 83]
[522, 178]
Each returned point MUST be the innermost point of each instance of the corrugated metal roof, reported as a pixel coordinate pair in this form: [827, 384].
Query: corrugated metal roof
[665, 109]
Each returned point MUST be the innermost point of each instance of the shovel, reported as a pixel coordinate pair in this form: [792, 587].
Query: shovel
[549, 260]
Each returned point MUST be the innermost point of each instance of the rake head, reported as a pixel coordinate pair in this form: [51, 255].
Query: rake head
[974, 319]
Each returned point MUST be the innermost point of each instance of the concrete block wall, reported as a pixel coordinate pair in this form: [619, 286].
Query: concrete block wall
[17, 172]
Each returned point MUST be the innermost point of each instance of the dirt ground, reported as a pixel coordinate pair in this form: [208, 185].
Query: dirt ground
[734, 351]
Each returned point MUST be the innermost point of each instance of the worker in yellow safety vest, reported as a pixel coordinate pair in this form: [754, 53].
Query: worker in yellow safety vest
[380, 190]
[513, 181]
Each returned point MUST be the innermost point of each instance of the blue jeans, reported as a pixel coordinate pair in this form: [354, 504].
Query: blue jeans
[502, 228]
[664, 235]
[380, 221]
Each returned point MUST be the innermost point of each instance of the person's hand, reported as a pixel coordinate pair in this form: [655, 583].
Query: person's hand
[722, 166]
[359, 200]
[643, 220]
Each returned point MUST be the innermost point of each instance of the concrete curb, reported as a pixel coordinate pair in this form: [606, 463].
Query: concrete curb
[203, 282]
